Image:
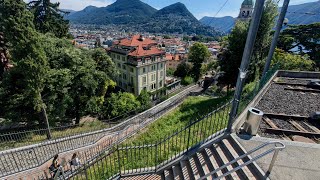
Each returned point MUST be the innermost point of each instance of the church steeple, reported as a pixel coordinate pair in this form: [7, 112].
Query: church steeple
[246, 10]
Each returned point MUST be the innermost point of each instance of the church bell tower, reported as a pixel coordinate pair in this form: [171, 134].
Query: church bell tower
[246, 10]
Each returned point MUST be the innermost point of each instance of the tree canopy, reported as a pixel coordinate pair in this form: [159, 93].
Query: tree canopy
[302, 39]
[234, 44]
[50, 77]
[197, 55]
[48, 17]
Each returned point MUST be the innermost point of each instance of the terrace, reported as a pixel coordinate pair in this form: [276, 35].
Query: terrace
[289, 107]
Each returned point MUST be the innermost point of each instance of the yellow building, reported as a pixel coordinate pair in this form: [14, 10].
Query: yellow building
[141, 64]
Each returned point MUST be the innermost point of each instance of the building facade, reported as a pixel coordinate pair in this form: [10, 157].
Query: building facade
[140, 63]
[246, 10]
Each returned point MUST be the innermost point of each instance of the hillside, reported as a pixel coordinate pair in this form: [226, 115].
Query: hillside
[222, 24]
[176, 18]
[139, 16]
[120, 12]
[306, 13]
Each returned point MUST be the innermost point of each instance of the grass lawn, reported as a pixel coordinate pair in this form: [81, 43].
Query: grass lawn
[144, 156]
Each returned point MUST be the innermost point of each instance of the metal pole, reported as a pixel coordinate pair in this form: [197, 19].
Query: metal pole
[274, 157]
[275, 37]
[253, 30]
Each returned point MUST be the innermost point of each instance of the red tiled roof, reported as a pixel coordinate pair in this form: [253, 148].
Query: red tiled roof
[141, 52]
[135, 41]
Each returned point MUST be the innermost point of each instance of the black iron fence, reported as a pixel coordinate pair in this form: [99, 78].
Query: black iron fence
[21, 159]
[129, 159]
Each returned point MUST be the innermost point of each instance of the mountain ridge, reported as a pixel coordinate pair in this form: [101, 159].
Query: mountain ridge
[139, 16]
[299, 14]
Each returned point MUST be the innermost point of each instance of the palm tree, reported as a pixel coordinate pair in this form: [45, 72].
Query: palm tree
[48, 17]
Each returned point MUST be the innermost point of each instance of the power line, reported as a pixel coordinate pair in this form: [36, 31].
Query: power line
[306, 13]
[218, 12]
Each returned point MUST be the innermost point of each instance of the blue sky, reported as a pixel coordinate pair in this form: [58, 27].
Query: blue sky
[199, 8]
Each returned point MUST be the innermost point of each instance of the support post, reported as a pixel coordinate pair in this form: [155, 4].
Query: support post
[275, 37]
[252, 34]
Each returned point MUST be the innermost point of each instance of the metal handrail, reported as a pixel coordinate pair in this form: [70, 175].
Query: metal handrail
[276, 150]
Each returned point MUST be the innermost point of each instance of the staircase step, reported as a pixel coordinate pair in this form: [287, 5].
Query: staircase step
[186, 170]
[213, 161]
[203, 164]
[168, 174]
[177, 172]
[196, 168]
[232, 154]
[259, 174]
[222, 160]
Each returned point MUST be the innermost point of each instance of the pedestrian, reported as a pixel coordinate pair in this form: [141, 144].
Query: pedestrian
[54, 165]
[75, 160]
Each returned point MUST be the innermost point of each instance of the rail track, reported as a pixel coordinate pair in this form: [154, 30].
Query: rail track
[285, 127]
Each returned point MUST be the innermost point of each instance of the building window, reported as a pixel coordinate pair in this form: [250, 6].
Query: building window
[123, 59]
[153, 67]
[153, 59]
[161, 65]
[143, 61]
[144, 70]
[118, 57]
[124, 67]
[131, 80]
[160, 84]
[131, 70]
[153, 86]
[144, 80]
[119, 65]
[124, 76]
[161, 73]
[153, 77]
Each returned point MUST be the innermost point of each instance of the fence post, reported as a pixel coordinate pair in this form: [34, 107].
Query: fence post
[118, 152]
[189, 134]
[156, 158]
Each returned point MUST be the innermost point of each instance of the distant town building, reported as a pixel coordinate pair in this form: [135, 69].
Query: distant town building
[246, 10]
[141, 64]
[173, 60]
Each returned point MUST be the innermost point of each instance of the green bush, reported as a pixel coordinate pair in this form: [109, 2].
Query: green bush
[187, 80]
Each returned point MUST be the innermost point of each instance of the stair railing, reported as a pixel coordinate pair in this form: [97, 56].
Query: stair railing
[277, 146]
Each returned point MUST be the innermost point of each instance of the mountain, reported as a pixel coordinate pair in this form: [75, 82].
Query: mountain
[138, 16]
[306, 13]
[176, 18]
[120, 12]
[222, 24]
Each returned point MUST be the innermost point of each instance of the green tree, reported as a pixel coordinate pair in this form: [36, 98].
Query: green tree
[263, 40]
[187, 80]
[170, 72]
[22, 87]
[232, 51]
[121, 103]
[49, 18]
[183, 70]
[302, 39]
[4, 55]
[144, 98]
[197, 55]
[289, 61]
[234, 44]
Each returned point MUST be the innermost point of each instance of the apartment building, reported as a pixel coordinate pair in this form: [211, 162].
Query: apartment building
[141, 64]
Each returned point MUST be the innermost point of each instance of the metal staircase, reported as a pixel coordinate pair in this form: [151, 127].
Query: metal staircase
[225, 159]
